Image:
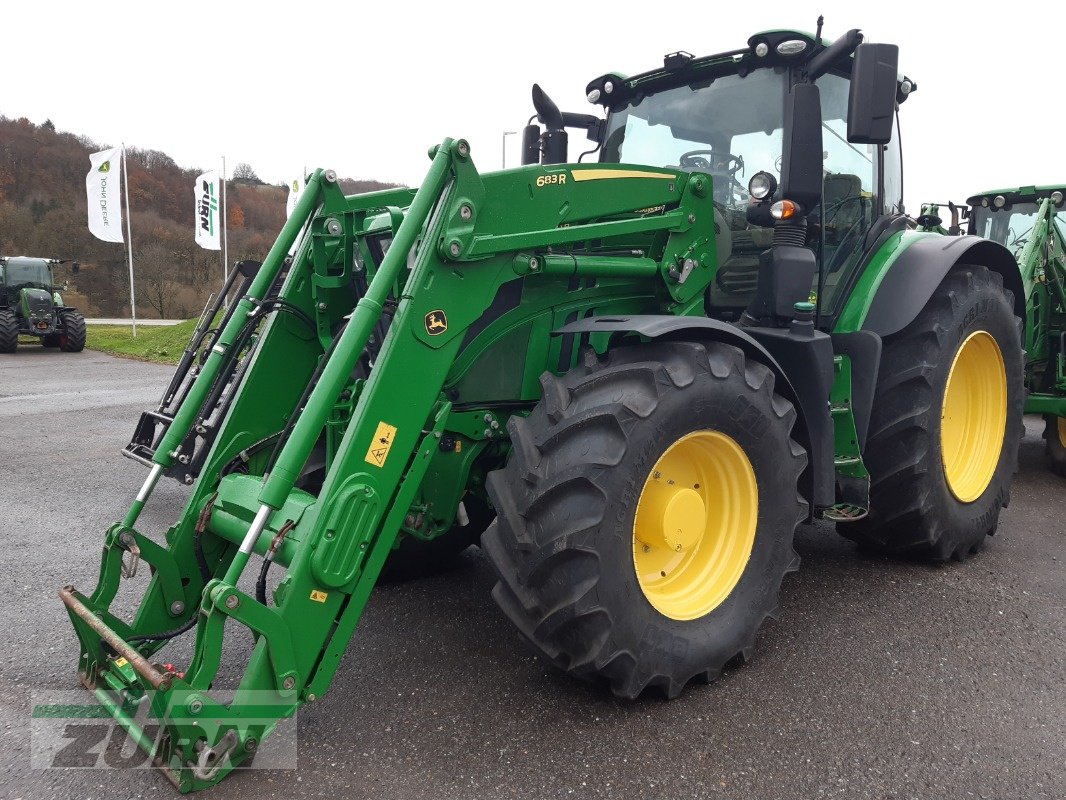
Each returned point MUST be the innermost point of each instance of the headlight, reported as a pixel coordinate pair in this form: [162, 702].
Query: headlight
[791, 47]
[1000, 201]
[762, 185]
[1056, 198]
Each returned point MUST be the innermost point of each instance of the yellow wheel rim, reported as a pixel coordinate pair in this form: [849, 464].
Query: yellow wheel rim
[1062, 431]
[974, 417]
[695, 525]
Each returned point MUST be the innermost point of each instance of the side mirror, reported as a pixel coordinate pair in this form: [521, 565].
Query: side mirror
[801, 165]
[872, 101]
[75, 268]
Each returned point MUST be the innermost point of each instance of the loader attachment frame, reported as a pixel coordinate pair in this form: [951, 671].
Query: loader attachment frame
[435, 291]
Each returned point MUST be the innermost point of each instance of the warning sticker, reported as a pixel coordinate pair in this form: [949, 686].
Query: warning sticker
[381, 444]
[121, 662]
[318, 597]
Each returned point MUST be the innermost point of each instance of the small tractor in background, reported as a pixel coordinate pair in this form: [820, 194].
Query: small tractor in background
[632, 378]
[1029, 222]
[30, 305]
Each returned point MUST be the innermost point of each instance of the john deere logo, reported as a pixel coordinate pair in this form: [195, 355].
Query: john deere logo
[296, 186]
[105, 167]
[436, 322]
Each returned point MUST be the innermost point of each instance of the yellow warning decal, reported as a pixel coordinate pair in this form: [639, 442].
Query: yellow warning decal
[318, 597]
[607, 174]
[381, 444]
[121, 662]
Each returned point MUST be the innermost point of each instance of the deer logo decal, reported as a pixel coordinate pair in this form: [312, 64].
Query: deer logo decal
[436, 322]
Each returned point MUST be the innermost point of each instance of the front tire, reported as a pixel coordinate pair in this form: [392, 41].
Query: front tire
[9, 331]
[72, 338]
[645, 517]
[946, 423]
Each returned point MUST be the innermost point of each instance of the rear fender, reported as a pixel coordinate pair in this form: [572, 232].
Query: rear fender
[910, 279]
[809, 400]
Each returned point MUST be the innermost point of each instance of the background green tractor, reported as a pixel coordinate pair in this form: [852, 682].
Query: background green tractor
[633, 377]
[1026, 220]
[30, 305]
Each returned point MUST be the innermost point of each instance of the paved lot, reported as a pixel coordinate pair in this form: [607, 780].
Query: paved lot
[881, 680]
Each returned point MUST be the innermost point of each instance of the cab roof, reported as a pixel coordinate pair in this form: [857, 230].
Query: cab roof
[764, 49]
[1019, 194]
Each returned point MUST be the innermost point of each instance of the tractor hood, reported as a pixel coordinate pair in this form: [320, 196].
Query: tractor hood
[36, 307]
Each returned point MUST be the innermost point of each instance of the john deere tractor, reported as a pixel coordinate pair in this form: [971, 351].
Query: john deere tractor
[1027, 221]
[30, 305]
[633, 376]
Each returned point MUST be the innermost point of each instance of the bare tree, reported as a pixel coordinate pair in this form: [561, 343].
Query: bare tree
[243, 173]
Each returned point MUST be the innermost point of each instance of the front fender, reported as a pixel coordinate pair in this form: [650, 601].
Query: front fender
[809, 395]
[900, 281]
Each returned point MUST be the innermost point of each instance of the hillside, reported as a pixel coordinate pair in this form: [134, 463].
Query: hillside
[43, 213]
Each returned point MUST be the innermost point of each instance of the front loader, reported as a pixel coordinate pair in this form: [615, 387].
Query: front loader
[637, 375]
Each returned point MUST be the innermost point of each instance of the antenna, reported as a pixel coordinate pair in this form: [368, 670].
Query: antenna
[818, 34]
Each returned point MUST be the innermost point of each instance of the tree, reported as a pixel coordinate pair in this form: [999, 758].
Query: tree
[243, 173]
[236, 216]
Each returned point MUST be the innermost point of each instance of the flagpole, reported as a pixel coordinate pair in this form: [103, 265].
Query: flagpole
[129, 238]
[225, 232]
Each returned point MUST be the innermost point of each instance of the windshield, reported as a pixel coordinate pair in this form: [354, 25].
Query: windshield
[729, 127]
[33, 274]
[1009, 226]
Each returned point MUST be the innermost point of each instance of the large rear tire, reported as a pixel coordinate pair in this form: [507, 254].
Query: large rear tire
[72, 338]
[1055, 436]
[646, 514]
[9, 331]
[946, 423]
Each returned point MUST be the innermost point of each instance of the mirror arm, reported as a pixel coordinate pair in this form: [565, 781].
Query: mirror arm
[838, 50]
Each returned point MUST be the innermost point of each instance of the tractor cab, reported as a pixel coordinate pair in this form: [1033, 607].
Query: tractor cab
[790, 120]
[1009, 216]
[21, 273]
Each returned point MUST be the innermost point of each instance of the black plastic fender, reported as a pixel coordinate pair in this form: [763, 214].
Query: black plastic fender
[914, 276]
[809, 397]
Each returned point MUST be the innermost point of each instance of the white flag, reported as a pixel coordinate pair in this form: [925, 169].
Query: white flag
[295, 188]
[208, 230]
[102, 185]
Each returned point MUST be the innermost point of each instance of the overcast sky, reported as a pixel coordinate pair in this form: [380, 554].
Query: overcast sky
[366, 88]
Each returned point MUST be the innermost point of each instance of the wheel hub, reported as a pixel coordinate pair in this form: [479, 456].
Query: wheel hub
[694, 526]
[681, 515]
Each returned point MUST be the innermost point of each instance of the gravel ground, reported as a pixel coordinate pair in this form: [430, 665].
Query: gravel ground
[881, 680]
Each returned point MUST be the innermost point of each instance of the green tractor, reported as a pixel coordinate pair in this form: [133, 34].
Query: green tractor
[30, 305]
[632, 377]
[1026, 221]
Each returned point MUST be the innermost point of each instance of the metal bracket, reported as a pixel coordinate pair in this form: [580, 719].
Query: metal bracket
[212, 759]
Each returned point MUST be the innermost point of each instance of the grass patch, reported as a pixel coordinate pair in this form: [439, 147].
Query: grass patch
[162, 344]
